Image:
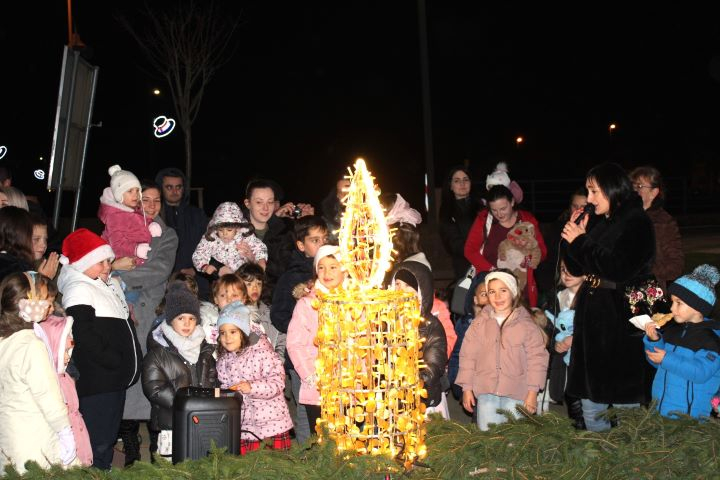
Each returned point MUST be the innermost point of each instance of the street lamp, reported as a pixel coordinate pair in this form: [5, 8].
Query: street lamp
[612, 128]
[519, 141]
[156, 91]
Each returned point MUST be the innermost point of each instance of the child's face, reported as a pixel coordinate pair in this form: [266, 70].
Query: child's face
[228, 294]
[481, 297]
[99, 270]
[568, 280]
[39, 241]
[131, 198]
[500, 297]
[230, 337]
[316, 238]
[254, 290]
[184, 324]
[330, 273]
[51, 307]
[684, 313]
[404, 287]
[226, 234]
[69, 344]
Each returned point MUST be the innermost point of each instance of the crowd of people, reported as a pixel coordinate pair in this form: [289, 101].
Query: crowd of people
[98, 333]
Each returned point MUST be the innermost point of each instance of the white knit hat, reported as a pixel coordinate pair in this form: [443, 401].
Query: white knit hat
[121, 181]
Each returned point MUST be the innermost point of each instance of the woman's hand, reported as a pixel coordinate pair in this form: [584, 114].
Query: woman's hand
[571, 231]
[651, 331]
[49, 266]
[242, 387]
[123, 263]
[468, 400]
[563, 345]
[531, 402]
[245, 251]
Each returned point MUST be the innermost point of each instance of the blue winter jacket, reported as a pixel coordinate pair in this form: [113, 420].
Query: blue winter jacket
[689, 375]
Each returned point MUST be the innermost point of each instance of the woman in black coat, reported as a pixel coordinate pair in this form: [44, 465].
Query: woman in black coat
[607, 362]
[458, 209]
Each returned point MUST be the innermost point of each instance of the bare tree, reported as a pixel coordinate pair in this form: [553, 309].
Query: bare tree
[186, 45]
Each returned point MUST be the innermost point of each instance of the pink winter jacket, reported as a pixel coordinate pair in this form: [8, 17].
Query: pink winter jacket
[265, 412]
[125, 228]
[507, 364]
[57, 329]
[300, 345]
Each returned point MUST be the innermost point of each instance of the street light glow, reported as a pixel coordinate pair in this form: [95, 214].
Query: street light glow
[519, 140]
[156, 91]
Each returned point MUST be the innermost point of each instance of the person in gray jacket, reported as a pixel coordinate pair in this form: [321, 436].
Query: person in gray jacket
[149, 280]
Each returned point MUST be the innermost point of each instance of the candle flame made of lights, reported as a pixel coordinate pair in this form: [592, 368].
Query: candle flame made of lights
[368, 360]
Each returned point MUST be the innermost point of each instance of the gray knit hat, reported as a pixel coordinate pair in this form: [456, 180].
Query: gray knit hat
[179, 300]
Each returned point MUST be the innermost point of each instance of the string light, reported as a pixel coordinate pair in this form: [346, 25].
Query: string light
[368, 342]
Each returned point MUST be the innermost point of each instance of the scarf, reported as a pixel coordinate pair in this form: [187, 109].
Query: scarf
[187, 347]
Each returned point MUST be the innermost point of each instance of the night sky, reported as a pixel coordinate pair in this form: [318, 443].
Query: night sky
[312, 85]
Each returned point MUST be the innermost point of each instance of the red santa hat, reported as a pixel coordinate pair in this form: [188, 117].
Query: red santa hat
[82, 249]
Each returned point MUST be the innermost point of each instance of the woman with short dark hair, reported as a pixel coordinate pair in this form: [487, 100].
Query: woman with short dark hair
[615, 252]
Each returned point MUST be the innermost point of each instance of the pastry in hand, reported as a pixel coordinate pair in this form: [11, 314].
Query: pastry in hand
[662, 318]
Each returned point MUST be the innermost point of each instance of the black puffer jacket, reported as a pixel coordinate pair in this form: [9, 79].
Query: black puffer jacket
[165, 371]
[434, 349]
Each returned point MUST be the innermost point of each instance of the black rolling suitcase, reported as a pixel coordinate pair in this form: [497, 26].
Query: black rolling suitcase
[202, 415]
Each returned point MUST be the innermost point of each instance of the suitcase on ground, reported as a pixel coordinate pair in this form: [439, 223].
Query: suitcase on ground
[203, 415]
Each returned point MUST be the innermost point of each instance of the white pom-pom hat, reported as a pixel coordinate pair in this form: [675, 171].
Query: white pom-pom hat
[121, 181]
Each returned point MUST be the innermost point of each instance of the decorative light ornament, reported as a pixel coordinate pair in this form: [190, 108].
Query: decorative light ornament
[163, 126]
[368, 361]
[3, 150]
[39, 174]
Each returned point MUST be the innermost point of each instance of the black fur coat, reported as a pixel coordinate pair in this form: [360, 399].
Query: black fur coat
[607, 361]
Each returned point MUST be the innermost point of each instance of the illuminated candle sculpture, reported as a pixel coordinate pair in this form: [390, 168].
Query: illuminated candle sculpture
[368, 343]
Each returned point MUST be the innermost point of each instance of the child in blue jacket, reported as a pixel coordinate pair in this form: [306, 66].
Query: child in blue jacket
[687, 354]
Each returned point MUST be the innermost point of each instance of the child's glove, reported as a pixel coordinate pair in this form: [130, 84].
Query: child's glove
[67, 445]
[155, 229]
[142, 250]
[715, 402]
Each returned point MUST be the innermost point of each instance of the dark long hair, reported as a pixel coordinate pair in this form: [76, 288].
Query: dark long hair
[447, 197]
[614, 182]
[16, 228]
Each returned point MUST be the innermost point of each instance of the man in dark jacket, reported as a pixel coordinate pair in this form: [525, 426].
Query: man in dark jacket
[188, 221]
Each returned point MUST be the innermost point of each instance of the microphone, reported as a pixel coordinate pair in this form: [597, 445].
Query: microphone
[589, 209]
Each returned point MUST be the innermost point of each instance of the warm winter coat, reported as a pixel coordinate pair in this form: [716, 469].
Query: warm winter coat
[461, 326]
[689, 375]
[32, 409]
[480, 231]
[107, 352]
[280, 243]
[264, 410]
[607, 361]
[150, 280]
[669, 255]
[188, 221]
[301, 346]
[56, 330]
[434, 349]
[456, 220]
[125, 228]
[227, 253]
[165, 371]
[300, 270]
[508, 361]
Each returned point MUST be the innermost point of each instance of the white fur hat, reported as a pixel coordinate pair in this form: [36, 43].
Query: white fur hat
[121, 181]
[498, 177]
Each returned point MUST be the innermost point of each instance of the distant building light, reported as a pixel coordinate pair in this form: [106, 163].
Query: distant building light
[163, 126]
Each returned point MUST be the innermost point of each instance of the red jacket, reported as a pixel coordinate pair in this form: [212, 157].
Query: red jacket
[476, 239]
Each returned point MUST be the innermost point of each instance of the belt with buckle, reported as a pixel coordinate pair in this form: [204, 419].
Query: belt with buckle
[596, 282]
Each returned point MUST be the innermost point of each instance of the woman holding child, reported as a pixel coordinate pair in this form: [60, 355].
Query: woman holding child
[607, 362]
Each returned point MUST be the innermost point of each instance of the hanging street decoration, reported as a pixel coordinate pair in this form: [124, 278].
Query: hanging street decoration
[163, 126]
[3, 150]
